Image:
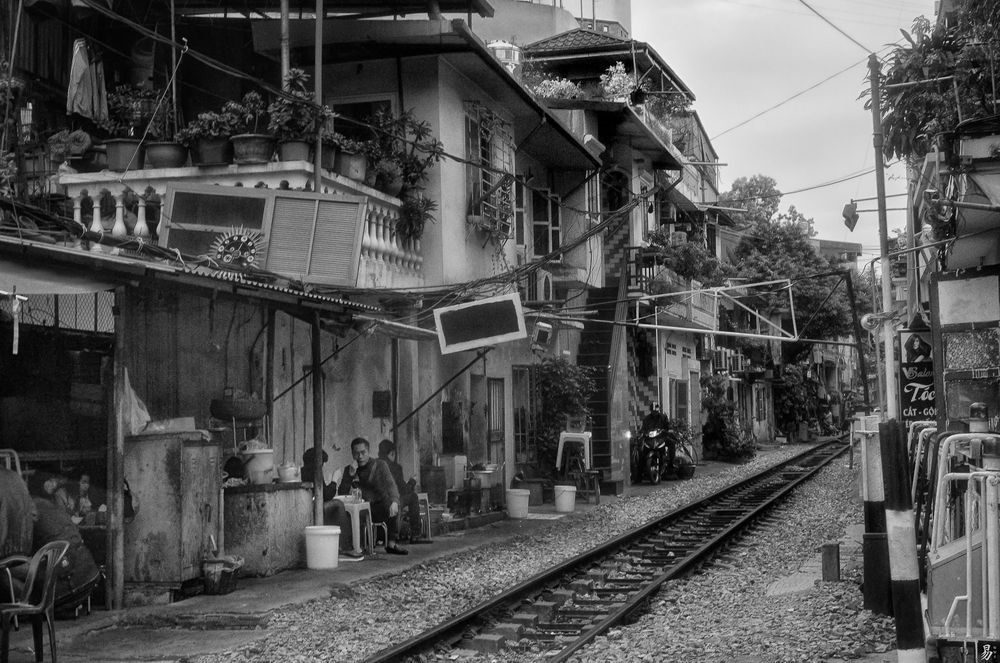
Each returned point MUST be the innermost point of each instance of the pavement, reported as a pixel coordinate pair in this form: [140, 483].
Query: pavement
[205, 623]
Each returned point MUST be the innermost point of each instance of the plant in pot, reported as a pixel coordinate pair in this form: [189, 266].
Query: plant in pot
[250, 144]
[164, 150]
[207, 136]
[416, 212]
[295, 117]
[402, 151]
[130, 108]
[352, 157]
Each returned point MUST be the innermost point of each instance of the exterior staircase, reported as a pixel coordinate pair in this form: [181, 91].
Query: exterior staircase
[596, 343]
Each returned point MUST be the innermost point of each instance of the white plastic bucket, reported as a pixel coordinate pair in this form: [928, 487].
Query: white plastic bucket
[322, 546]
[565, 497]
[517, 502]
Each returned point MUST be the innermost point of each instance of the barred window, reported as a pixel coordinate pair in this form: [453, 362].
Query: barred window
[490, 171]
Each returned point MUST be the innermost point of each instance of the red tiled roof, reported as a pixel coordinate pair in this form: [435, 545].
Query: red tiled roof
[572, 40]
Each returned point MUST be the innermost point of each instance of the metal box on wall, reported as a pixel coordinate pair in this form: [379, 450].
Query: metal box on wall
[177, 478]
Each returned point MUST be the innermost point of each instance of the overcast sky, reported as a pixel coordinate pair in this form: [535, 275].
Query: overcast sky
[741, 57]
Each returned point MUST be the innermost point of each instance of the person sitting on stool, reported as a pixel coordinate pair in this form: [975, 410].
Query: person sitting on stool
[377, 486]
[408, 500]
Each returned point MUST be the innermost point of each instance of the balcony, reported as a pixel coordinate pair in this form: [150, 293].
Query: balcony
[386, 260]
[647, 273]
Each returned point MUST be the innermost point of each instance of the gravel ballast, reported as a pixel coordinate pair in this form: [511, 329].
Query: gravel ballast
[721, 614]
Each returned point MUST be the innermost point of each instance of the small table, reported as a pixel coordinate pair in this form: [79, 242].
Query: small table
[354, 510]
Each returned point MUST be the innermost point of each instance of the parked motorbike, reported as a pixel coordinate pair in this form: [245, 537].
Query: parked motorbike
[655, 452]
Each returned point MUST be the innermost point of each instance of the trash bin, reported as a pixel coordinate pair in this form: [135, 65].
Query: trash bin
[517, 502]
[565, 498]
[322, 546]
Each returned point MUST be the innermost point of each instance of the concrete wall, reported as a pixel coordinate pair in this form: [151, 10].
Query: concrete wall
[522, 23]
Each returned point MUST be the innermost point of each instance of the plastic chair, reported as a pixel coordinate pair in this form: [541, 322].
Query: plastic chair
[11, 460]
[37, 597]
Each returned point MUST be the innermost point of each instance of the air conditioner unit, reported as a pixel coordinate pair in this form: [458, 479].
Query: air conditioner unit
[678, 238]
[540, 287]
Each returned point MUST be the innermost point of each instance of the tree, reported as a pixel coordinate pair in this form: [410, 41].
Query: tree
[950, 71]
[564, 390]
[758, 195]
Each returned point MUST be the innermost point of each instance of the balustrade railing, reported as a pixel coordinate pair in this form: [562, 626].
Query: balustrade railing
[387, 259]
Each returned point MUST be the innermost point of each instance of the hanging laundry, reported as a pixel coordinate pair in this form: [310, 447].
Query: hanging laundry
[87, 95]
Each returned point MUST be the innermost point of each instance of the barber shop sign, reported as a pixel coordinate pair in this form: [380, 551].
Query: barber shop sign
[916, 377]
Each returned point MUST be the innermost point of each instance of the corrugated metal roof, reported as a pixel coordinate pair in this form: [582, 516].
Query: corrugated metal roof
[126, 268]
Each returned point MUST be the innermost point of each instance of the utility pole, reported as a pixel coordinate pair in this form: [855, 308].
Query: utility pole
[878, 138]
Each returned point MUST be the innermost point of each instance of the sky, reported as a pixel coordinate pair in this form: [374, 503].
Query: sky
[741, 57]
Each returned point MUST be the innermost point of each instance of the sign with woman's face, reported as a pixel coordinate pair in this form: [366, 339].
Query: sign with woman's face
[916, 347]
[916, 377]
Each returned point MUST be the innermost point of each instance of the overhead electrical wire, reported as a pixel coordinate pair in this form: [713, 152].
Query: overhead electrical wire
[835, 26]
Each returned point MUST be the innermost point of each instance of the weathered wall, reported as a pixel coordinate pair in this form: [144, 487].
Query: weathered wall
[182, 350]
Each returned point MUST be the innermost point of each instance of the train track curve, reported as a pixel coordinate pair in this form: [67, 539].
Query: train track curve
[567, 606]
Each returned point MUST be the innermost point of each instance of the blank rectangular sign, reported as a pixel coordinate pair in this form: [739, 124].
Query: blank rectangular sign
[480, 323]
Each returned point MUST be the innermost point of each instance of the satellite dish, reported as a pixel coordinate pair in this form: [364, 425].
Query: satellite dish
[869, 321]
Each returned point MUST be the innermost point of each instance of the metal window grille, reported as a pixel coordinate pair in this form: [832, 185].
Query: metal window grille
[490, 171]
[89, 313]
[525, 394]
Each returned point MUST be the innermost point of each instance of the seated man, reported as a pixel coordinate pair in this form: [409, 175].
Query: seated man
[79, 574]
[408, 500]
[377, 486]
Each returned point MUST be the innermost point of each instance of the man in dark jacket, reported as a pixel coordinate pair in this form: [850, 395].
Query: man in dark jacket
[377, 486]
[408, 500]
[78, 572]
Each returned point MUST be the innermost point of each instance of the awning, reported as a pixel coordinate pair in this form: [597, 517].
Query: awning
[48, 280]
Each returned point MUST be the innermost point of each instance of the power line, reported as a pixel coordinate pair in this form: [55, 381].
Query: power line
[835, 27]
[785, 101]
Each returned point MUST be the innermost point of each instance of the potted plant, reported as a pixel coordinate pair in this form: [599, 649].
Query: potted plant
[402, 151]
[164, 150]
[129, 109]
[352, 157]
[250, 145]
[328, 139]
[617, 83]
[207, 136]
[416, 211]
[295, 117]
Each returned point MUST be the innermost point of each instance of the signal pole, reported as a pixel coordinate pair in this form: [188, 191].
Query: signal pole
[878, 138]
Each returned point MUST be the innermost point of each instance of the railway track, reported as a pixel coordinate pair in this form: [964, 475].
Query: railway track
[567, 606]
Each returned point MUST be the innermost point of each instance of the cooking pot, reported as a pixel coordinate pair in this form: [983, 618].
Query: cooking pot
[288, 473]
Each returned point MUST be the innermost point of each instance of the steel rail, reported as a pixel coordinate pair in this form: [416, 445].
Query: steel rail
[453, 630]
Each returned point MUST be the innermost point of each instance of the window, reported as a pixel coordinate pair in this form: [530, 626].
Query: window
[545, 219]
[490, 171]
[679, 394]
[361, 110]
[519, 214]
[686, 351]
[671, 349]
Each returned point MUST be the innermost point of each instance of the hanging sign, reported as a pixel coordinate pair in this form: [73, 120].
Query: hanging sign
[483, 322]
[916, 376]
